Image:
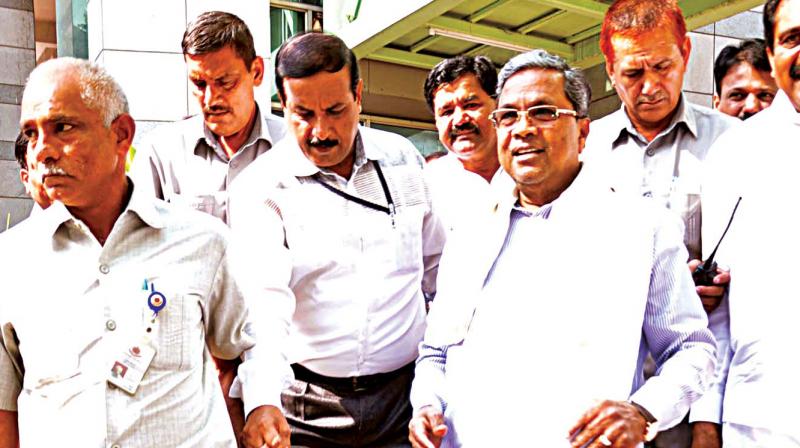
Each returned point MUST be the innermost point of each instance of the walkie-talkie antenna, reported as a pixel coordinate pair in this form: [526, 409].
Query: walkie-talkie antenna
[710, 261]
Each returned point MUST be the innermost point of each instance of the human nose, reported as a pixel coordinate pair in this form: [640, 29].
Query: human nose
[751, 104]
[650, 84]
[44, 148]
[320, 129]
[460, 116]
[211, 96]
[525, 125]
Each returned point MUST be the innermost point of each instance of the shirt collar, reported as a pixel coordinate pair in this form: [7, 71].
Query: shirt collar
[685, 114]
[299, 165]
[52, 218]
[260, 131]
[580, 184]
[782, 106]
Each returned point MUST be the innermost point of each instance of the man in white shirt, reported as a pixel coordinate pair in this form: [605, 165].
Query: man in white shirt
[460, 93]
[655, 145]
[115, 347]
[349, 206]
[758, 162]
[31, 182]
[196, 161]
[569, 285]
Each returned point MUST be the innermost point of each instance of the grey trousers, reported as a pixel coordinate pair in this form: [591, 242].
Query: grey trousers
[336, 413]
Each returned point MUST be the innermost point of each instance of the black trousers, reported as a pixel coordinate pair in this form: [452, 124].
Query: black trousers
[368, 411]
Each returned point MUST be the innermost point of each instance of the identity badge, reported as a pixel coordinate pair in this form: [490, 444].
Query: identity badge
[130, 365]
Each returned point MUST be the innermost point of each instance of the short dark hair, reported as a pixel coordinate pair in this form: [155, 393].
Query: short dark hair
[751, 51]
[307, 54]
[214, 30]
[451, 69]
[21, 150]
[770, 9]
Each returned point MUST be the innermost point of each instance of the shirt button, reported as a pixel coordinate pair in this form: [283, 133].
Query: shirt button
[115, 446]
[104, 269]
[111, 325]
[650, 152]
[648, 194]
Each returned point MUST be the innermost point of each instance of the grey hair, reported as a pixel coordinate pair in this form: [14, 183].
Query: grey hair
[576, 87]
[98, 89]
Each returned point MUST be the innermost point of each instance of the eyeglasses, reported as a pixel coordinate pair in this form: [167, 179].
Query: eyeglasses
[541, 116]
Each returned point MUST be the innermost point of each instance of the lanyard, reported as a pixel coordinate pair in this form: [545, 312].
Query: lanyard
[390, 210]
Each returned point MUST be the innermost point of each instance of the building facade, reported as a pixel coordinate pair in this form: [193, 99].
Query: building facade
[396, 42]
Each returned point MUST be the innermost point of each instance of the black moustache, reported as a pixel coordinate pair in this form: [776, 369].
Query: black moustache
[464, 127]
[216, 110]
[323, 143]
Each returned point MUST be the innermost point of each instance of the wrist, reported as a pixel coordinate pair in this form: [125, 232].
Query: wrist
[651, 426]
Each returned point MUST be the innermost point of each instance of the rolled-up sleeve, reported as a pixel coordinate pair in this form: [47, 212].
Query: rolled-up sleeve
[263, 269]
[10, 369]
[676, 332]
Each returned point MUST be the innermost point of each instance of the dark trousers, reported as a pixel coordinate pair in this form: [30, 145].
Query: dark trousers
[368, 411]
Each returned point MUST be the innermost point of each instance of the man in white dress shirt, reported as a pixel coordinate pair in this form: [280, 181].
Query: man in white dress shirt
[758, 162]
[654, 146]
[568, 287]
[350, 210]
[460, 93]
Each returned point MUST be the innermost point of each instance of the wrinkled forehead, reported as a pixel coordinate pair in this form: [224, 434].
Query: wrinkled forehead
[655, 44]
[52, 94]
[532, 87]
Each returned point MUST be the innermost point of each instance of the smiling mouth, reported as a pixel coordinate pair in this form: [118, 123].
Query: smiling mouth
[526, 151]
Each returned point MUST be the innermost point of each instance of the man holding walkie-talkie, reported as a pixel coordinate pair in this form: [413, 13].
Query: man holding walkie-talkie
[758, 162]
[655, 146]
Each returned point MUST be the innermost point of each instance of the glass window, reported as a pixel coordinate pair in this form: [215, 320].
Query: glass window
[72, 30]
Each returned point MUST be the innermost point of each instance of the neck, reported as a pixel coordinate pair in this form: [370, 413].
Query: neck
[101, 217]
[232, 143]
[534, 196]
[484, 168]
[651, 130]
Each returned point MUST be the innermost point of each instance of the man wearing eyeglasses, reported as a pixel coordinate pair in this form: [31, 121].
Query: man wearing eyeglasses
[655, 146]
[541, 326]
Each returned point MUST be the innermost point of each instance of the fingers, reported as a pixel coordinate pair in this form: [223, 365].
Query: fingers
[710, 303]
[266, 426]
[427, 429]
[694, 264]
[614, 423]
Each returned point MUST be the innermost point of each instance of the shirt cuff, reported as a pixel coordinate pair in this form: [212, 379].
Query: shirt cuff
[707, 409]
[262, 392]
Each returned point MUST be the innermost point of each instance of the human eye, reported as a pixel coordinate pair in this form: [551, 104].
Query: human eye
[199, 83]
[473, 105]
[228, 83]
[63, 127]
[336, 111]
[29, 133]
[632, 73]
[766, 96]
[736, 96]
[506, 117]
[445, 112]
[791, 40]
[545, 113]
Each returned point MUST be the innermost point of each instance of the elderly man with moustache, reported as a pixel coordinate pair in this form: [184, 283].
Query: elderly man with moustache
[560, 292]
[115, 347]
[758, 162]
[655, 146]
[744, 85]
[350, 210]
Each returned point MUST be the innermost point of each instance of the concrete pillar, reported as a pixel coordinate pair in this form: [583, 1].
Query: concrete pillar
[17, 51]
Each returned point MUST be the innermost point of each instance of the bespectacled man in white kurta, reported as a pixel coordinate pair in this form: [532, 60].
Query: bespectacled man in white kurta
[570, 287]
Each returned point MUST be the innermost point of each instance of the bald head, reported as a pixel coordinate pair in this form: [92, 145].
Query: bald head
[98, 90]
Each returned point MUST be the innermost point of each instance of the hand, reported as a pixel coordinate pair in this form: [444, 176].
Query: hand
[619, 421]
[711, 296]
[706, 435]
[266, 426]
[427, 428]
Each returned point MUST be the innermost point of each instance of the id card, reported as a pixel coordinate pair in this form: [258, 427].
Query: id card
[130, 365]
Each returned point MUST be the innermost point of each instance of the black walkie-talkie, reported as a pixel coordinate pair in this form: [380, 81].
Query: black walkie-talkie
[705, 273]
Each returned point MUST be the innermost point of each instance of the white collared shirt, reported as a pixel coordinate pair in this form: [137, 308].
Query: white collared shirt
[459, 195]
[569, 299]
[358, 279]
[184, 163]
[74, 307]
[758, 162]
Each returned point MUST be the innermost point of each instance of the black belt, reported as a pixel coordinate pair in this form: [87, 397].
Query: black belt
[362, 383]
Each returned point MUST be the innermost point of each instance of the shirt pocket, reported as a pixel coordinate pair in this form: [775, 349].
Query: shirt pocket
[177, 332]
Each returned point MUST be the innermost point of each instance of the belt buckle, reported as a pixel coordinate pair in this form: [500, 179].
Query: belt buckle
[358, 386]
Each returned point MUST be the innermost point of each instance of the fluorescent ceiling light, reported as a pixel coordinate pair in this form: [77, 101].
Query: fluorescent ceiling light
[434, 31]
